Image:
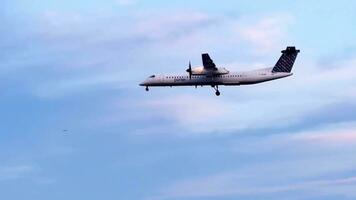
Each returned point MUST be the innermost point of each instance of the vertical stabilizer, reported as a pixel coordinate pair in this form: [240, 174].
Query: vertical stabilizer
[286, 61]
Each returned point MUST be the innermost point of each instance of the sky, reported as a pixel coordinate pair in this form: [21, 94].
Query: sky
[74, 124]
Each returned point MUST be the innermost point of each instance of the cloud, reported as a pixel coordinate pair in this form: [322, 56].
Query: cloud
[330, 136]
[90, 52]
[214, 187]
[268, 34]
[345, 135]
[15, 172]
[81, 49]
[190, 111]
[126, 2]
[67, 87]
[100, 29]
[315, 162]
[303, 100]
[74, 51]
[182, 24]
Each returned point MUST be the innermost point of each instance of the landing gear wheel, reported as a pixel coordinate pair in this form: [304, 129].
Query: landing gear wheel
[147, 89]
[216, 88]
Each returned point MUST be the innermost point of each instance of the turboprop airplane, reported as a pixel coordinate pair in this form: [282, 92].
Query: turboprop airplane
[211, 75]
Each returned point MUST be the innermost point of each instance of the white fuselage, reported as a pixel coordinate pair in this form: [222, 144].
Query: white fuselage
[232, 78]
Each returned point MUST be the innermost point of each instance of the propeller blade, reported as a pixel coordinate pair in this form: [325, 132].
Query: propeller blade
[190, 70]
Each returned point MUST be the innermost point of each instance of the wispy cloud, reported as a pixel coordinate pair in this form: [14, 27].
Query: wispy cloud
[79, 47]
[126, 2]
[215, 188]
[341, 136]
[98, 57]
[190, 111]
[319, 161]
[267, 34]
[77, 66]
[15, 172]
[334, 137]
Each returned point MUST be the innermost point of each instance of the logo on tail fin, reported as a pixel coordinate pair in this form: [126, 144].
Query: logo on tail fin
[286, 61]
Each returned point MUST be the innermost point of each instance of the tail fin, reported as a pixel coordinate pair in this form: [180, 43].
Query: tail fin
[286, 61]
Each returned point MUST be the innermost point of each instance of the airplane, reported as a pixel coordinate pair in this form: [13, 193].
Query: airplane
[210, 75]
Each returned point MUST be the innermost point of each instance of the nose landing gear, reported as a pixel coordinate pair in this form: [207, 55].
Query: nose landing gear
[216, 88]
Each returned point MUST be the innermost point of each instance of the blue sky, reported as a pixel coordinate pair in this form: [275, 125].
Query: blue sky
[76, 66]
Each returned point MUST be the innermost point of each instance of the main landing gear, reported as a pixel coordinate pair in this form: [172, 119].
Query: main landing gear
[216, 88]
[147, 89]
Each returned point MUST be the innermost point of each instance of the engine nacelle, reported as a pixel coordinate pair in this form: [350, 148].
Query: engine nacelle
[202, 71]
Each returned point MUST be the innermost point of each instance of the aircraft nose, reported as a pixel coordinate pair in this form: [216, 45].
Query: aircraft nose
[143, 83]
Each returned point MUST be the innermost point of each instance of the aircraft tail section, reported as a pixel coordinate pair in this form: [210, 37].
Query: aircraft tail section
[286, 61]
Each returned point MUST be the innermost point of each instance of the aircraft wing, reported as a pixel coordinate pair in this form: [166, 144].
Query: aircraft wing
[208, 63]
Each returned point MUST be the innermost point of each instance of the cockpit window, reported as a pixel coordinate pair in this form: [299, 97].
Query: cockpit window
[152, 76]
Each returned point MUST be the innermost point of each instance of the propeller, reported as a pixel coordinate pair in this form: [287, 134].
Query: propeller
[189, 70]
